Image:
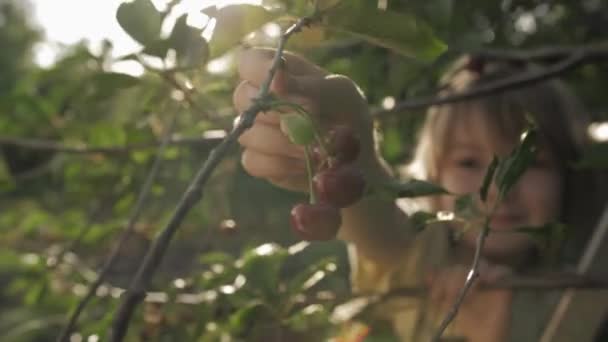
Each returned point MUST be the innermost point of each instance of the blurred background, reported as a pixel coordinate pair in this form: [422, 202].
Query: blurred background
[84, 106]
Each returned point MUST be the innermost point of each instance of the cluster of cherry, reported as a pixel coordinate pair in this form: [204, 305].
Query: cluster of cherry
[336, 184]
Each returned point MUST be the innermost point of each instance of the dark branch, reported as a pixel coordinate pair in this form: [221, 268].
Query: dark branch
[193, 194]
[136, 213]
[570, 61]
[54, 146]
[472, 276]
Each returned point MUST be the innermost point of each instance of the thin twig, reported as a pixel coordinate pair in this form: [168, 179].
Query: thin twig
[573, 60]
[548, 54]
[54, 146]
[471, 277]
[193, 194]
[134, 217]
[188, 95]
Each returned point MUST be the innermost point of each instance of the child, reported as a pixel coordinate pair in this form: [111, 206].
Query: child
[456, 146]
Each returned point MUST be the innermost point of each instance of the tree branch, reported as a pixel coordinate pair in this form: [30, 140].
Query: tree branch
[136, 213]
[471, 277]
[54, 146]
[569, 61]
[193, 194]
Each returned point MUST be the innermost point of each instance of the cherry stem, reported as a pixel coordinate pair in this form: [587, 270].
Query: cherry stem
[311, 188]
[302, 111]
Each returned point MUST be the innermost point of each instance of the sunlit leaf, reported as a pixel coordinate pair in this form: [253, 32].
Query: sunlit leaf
[191, 48]
[312, 275]
[157, 48]
[233, 23]
[420, 219]
[246, 317]
[109, 83]
[400, 32]
[261, 267]
[309, 317]
[140, 20]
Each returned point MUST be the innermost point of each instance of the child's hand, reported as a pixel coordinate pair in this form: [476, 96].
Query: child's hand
[484, 314]
[330, 99]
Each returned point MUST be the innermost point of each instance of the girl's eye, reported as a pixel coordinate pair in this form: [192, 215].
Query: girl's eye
[468, 162]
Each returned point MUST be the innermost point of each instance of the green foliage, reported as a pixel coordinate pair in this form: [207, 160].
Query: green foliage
[62, 212]
[192, 49]
[233, 23]
[141, 20]
[399, 32]
[509, 170]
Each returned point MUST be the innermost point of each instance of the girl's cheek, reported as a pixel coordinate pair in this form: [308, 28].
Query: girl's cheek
[542, 194]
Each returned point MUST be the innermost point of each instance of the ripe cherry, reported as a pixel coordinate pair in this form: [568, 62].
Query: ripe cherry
[319, 221]
[342, 144]
[341, 186]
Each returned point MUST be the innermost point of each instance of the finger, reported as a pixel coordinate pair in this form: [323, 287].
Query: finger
[267, 166]
[254, 65]
[270, 140]
[292, 183]
[246, 92]
[242, 100]
[336, 98]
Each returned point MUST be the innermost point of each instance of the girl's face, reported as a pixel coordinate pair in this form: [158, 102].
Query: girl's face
[535, 199]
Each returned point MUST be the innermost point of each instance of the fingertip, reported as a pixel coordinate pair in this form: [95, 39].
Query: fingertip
[280, 82]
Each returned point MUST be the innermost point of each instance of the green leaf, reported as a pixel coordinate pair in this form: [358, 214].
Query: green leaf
[412, 188]
[140, 20]
[311, 276]
[298, 128]
[216, 258]
[309, 317]
[487, 180]
[108, 83]
[261, 267]
[191, 48]
[324, 5]
[513, 167]
[243, 321]
[549, 238]
[594, 157]
[233, 23]
[420, 219]
[465, 207]
[157, 48]
[400, 32]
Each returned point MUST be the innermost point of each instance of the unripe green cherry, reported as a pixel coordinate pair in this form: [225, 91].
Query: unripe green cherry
[298, 128]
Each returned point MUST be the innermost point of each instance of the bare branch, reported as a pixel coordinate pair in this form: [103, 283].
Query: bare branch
[193, 194]
[136, 213]
[54, 146]
[471, 277]
[570, 61]
[548, 54]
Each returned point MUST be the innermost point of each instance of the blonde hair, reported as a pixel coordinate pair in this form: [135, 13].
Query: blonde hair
[562, 124]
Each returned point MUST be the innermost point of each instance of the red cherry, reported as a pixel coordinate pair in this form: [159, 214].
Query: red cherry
[341, 186]
[343, 144]
[319, 221]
